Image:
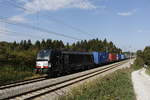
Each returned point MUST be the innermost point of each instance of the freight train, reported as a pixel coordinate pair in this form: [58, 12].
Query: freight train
[58, 62]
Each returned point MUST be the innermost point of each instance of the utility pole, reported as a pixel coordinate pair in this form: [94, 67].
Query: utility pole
[130, 48]
[106, 49]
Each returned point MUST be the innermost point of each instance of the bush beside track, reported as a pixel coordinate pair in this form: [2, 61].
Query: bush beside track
[9, 74]
[148, 70]
[115, 86]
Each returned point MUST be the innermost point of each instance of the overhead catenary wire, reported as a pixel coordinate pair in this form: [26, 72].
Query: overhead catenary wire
[53, 19]
[68, 25]
[34, 27]
[38, 28]
[5, 33]
[10, 31]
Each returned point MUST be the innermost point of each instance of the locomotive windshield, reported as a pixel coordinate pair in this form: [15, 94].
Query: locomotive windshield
[44, 55]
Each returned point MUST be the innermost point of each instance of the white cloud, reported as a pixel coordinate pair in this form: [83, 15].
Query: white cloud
[125, 13]
[51, 5]
[143, 31]
[83, 5]
[128, 13]
[18, 18]
[140, 31]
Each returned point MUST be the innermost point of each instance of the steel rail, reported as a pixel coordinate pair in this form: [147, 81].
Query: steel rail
[91, 74]
[23, 82]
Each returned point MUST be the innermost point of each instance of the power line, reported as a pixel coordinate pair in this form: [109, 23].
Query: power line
[10, 31]
[63, 23]
[54, 19]
[70, 26]
[38, 28]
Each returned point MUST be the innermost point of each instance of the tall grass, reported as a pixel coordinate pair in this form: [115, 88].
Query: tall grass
[116, 86]
[9, 74]
[136, 67]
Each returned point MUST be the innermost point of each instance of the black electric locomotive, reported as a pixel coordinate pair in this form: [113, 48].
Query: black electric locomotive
[57, 62]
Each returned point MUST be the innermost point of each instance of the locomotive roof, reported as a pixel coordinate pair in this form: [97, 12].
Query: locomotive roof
[76, 52]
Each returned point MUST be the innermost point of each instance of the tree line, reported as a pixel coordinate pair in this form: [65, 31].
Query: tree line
[143, 57]
[24, 53]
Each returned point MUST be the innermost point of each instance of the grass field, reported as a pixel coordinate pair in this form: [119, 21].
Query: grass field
[136, 67]
[116, 86]
[10, 74]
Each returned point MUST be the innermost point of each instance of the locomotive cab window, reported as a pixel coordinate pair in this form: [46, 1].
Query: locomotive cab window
[44, 55]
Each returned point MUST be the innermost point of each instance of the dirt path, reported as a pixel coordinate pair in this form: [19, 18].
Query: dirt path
[141, 83]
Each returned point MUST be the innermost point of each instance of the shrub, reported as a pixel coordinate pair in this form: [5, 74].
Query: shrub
[116, 86]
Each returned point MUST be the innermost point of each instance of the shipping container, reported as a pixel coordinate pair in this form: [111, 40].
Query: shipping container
[103, 57]
[96, 57]
[118, 57]
[122, 56]
[112, 57]
[100, 57]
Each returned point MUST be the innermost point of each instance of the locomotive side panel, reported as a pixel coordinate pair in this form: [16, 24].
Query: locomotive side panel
[77, 61]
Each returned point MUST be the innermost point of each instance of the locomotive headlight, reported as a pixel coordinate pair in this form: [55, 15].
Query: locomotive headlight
[38, 64]
[49, 65]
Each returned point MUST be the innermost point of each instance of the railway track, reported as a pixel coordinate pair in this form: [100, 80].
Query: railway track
[60, 83]
[18, 83]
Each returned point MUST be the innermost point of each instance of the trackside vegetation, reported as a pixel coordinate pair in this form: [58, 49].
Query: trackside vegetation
[148, 71]
[143, 58]
[115, 86]
[17, 59]
[9, 74]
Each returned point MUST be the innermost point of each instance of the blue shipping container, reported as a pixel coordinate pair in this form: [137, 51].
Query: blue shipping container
[118, 57]
[103, 57]
[96, 57]
[122, 56]
[100, 57]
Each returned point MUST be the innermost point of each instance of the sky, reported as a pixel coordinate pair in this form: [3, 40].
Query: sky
[124, 22]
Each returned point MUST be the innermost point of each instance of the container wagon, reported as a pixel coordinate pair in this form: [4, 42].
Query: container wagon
[100, 57]
[118, 57]
[112, 57]
[56, 62]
